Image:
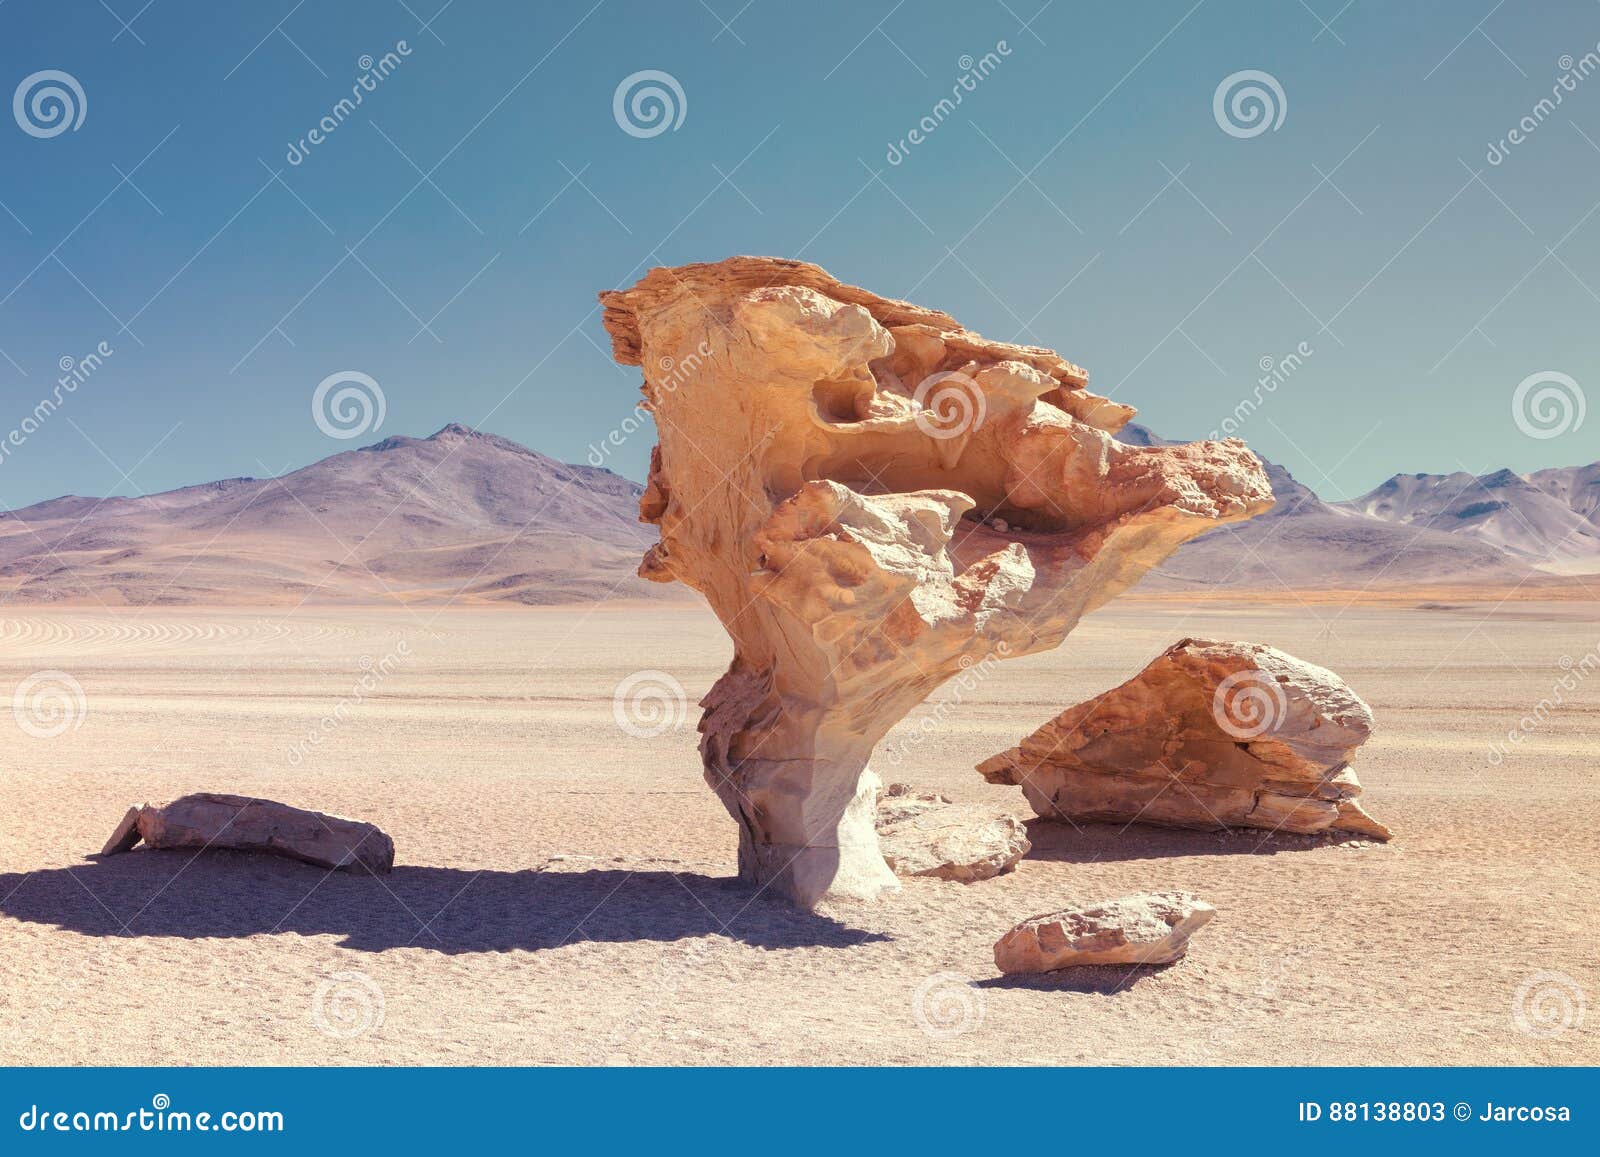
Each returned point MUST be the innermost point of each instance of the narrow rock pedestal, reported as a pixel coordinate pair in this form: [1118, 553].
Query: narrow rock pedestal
[873, 500]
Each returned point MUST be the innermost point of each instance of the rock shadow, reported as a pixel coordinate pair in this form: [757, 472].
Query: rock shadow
[222, 894]
[1103, 979]
[1090, 843]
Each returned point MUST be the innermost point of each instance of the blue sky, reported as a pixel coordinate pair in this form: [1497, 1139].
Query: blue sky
[1083, 195]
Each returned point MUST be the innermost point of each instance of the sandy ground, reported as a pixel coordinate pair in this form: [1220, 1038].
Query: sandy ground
[491, 747]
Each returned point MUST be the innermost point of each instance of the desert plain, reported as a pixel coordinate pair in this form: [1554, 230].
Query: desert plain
[565, 892]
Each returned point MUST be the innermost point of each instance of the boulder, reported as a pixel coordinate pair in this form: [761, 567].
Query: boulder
[874, 500]
[1209, 735]
[924, 834]
[245, 824]
[1147, 929]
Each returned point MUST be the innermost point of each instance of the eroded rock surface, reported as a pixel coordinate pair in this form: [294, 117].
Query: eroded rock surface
[242, 823]
[924, 834]
[872, 499]
[1209, 735]
[1149, 929]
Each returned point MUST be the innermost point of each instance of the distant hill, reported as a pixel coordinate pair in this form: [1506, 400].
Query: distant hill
[461, 515]
[1550, 518]
[1306, 543]
[470, 517]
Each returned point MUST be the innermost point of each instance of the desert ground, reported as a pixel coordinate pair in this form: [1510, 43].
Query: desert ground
[564, 890]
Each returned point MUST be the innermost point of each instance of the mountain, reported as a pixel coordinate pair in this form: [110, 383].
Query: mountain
[1306, 543]
[469, 517]
[1549, 519]
[461, 515]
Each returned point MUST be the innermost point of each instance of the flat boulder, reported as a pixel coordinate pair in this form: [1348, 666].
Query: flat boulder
[1146, 929]
[1209, 735]
[246, 824]
[924, 834]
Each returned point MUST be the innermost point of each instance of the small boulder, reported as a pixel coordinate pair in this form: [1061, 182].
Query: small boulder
[924, 834]
[1147, 929]
[244, 823]
[1209, 735]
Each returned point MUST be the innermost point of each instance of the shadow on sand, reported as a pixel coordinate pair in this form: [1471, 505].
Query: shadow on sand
[1110, 843]
[1105, 979]
[450, 910]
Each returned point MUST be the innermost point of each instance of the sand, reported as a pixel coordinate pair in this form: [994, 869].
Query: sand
[491, 749]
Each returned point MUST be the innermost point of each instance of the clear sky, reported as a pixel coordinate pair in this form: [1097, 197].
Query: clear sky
[448, 236]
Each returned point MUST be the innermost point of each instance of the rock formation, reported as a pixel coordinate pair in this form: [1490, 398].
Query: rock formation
[240, 823]
[830, 468]
[1209, 735]
[1152, 929]
[924, 834]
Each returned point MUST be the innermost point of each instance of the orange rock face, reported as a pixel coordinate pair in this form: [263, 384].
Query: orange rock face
[872, 498]
[1152, 929]
[1209, 735]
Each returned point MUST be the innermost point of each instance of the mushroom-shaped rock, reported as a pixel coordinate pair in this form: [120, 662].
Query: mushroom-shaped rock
[1150, 929]
[243, 823]
[830, 468]
[1209, 735]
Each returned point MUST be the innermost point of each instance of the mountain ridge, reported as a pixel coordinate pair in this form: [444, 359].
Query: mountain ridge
[1306, 541]
[460, 514]
[467, 515]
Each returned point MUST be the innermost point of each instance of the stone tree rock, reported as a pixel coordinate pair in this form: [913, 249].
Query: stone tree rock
[1209, 735]
[243, 823]
[831, 471]
[1150, 929]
